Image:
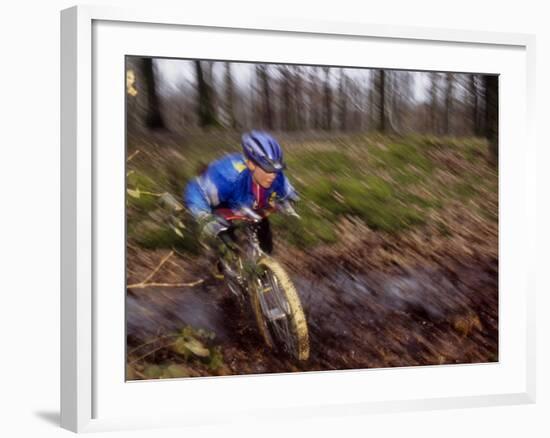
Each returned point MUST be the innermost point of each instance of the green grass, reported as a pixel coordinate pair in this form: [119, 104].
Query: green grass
[387, 182]
[323, 162]
[402, 156]
[160, 234]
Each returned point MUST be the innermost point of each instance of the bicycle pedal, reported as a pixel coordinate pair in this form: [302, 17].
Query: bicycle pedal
[275, 314]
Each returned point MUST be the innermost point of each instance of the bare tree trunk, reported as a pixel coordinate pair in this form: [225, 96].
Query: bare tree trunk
[287, 116]
[229, 97]
[205, 106]
[392, 89]
[475, 104]
[433, 103]
[312, 101]
[253, 119]
[382, 101]
[491, 115]
[405, 99]
[298, 98]
[267, 110]
[363, 121]
[373, 105]
[133, 93]
[209, 78]
[343, 98]
[327, 100]
[317, 105]
[153, 118]
[448, 103]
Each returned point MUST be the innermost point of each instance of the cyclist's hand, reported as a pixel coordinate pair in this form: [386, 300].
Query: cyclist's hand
[212, 225]
[287, 207]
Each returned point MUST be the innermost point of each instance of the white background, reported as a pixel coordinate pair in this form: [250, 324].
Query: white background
[29, 231]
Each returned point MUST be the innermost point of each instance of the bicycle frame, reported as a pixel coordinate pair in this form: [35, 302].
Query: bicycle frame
[250, 253]
[248, 281]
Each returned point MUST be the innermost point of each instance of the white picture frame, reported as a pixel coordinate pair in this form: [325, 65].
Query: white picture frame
[85, 386]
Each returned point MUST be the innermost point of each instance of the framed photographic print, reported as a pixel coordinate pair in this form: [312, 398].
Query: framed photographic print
[291, 218]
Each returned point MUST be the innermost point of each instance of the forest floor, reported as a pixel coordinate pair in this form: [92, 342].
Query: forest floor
[406, 284]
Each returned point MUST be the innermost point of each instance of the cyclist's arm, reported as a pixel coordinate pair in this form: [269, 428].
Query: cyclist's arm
[206, 192]
[196, 200]
[285, 190]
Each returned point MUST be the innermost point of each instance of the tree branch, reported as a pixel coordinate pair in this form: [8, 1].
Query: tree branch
[147, 283]
[132, 156]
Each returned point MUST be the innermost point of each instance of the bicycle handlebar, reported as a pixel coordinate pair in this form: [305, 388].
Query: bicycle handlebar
[246, 213]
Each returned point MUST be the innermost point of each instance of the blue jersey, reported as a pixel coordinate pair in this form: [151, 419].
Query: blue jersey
[227, 183]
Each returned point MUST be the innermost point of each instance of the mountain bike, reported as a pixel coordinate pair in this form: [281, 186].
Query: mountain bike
[259, 280]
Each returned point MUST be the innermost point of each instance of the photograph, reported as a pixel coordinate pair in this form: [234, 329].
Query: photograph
[289, 218]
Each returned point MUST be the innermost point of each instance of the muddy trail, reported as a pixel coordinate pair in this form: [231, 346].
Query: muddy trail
[359, 315]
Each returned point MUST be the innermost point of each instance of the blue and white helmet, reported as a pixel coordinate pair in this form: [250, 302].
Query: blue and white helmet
[263, 150]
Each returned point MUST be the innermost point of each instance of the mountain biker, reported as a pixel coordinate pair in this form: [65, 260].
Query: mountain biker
[253, 179]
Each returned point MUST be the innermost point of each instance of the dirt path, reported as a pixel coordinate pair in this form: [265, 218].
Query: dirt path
[358, 318]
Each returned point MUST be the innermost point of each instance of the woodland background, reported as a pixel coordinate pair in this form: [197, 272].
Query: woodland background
[396, 252]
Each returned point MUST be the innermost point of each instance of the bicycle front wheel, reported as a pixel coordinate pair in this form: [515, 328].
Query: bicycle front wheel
[278, 310]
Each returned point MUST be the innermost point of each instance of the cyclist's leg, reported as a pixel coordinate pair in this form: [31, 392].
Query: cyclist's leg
[265, 236]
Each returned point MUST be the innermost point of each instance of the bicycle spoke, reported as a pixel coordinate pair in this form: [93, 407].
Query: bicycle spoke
[280, 326]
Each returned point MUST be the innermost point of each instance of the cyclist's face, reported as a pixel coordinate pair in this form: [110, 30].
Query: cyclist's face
[260, 176]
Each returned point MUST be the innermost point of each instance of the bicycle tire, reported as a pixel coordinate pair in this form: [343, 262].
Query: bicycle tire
[295, 317]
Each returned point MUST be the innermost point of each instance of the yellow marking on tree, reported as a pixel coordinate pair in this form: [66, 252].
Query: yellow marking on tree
[130, 83]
